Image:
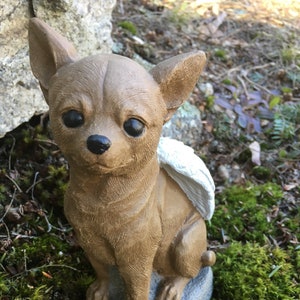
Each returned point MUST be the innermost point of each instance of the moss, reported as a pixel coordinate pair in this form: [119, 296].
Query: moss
[129, 26]
[46, 268]
[261, 173]
[52, 188]
[34, 263]
[242, 213]
[210, 100]
[221, 54]
[249, 271]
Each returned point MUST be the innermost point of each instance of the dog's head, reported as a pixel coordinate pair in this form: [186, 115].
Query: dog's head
[106, 111]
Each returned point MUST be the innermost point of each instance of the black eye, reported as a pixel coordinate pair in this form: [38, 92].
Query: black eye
[134, 127]
[73, 118]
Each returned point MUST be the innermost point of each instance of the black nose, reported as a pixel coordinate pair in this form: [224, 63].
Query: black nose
[98, 144]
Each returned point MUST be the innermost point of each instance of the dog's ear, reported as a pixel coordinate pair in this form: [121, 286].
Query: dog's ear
[177, 77]
[48, 51]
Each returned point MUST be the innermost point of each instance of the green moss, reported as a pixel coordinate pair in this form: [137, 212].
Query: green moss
[242, 213]
[129, 26]
[210, 100]
[52, 188]
[45, 268]
[221, 54]
[249, 271]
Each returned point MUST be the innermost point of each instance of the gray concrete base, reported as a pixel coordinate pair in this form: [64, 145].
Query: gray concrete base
[200, 288]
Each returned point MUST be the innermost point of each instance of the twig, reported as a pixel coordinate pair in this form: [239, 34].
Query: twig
[50, 226]
[238, 68]
[22, 236]
[244, 85]
[257, 86]
[7, 231]
[9, 206]
[34, 183]
[10, 152]
[271, 64]
[13, 181]
[45, 141]
[43, 267]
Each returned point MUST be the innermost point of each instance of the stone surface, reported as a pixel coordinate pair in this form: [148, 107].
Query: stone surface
[199, 288]
[185, 125]
[86, 23]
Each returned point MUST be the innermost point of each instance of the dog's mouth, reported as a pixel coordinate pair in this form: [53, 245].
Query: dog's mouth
[98, 164]
[100, 168]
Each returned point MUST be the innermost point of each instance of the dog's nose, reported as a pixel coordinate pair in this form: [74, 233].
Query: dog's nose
[98, 144]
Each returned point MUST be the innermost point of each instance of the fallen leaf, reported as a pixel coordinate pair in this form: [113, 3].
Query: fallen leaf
[288, 187]
[47, 275]
[255, 123]
[223, 103]
[255, 151]
[243, 120]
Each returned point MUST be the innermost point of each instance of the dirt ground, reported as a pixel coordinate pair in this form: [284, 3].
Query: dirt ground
[253, 61]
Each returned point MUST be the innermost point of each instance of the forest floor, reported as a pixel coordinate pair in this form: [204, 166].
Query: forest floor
[249, 99]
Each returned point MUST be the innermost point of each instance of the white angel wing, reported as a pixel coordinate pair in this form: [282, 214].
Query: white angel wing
[190, 172]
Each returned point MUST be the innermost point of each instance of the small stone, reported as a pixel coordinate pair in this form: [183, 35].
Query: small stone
[223, 172]
[206, 88]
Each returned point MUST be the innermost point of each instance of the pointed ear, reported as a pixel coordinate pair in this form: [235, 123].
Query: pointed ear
[48, 51]
[177, 78]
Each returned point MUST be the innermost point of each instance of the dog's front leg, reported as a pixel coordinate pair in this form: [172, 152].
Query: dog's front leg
[136, 270]
[137, 281]
[99, 289]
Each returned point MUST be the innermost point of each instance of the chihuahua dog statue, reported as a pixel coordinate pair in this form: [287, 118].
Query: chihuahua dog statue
[136, 201]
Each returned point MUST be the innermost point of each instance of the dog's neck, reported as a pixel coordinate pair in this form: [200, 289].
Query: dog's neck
[112, 190]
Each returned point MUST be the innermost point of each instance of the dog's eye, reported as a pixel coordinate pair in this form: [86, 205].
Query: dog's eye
[134, 127]
[73, 118]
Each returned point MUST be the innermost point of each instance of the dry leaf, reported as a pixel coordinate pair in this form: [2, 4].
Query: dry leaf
[255, 151]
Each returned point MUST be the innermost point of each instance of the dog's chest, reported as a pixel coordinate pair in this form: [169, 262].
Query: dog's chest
[92, 227]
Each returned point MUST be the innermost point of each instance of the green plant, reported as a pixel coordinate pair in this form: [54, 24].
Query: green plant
[180, 12]
[290, 55]
[45, 268]
[221, 54]
[285, 122]
[129, 26]
[242, 213]
[249, 271]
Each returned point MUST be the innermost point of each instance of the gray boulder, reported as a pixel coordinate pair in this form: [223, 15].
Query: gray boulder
[86, 23]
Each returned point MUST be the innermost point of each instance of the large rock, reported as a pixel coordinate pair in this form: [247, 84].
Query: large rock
[185, 125]
[86, 23]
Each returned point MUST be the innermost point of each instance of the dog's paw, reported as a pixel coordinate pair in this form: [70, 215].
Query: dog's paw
[97, 291]
[173, 289]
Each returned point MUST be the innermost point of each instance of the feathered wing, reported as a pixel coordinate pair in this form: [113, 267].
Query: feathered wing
[190, 172]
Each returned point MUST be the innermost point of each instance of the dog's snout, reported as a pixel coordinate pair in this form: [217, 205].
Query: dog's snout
[98, 144]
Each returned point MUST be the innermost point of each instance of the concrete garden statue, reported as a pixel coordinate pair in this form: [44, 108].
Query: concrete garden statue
[137, 202]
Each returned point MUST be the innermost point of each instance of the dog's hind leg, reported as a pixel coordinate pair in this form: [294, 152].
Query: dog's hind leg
[188, 254]
[189, 245]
